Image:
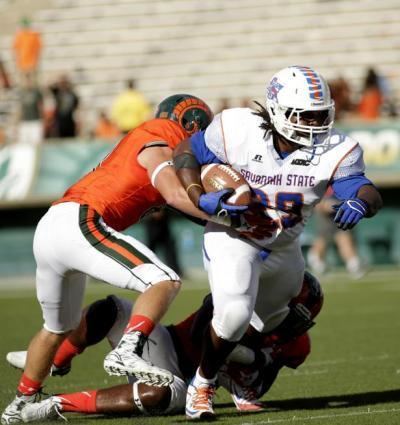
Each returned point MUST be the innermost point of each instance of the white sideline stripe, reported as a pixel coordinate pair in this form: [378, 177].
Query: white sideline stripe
[319, 417]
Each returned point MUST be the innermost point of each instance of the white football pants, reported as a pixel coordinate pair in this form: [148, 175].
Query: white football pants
[247, 287]
[72, 241]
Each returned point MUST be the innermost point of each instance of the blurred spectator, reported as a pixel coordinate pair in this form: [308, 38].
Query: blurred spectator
[66, 103]
[27, 48]
[369, 107]
[389, 107]
[130, 108]
[2, 137]
[30, 114]
[48, 115]
[326, 233]
[105, 129]
[160, 237]
[246, 103]
[341, 94]
[4, 78]
[222, 104]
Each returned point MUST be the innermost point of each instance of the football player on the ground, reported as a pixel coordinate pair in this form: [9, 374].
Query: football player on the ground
[81, 235]
[249, 373]
[289, 154]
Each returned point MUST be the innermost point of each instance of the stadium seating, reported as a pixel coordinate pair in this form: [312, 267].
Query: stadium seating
[215, 49]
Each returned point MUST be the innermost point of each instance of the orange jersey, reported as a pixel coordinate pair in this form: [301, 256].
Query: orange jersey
[119, 188]
[27, 47]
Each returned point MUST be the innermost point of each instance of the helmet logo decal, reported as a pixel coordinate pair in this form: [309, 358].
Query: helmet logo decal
[190, 112]
[184, 106]
[314, 83]
[273, 89]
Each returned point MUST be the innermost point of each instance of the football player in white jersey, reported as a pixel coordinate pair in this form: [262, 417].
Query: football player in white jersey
[289, 154]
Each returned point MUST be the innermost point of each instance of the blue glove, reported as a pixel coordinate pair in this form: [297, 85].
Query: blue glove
[213, 203]
[350, 212]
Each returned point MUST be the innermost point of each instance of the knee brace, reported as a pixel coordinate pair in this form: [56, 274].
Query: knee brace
[232, 319]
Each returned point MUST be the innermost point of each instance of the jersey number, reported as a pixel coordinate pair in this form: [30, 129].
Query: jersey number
[287, 202]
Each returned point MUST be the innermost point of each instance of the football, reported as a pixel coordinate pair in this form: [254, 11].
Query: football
[215, 177]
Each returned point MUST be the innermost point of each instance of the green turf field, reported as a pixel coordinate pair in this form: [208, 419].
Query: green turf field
[351, 377]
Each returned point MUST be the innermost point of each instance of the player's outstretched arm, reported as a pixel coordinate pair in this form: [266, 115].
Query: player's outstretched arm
[366, 204]
[189, 172]
[372, 198]
[158, 163]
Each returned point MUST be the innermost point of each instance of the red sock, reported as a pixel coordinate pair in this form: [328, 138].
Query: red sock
[141, 324]
[65, 353]
[83, 402]
[28, 386]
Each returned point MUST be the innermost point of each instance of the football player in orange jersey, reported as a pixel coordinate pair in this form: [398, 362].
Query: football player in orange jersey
[248, 374]
[80, 236]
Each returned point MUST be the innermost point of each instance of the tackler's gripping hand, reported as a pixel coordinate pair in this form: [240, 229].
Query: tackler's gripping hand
[213, 203]
[350, 212]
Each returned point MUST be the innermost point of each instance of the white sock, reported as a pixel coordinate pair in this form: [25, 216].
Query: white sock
[198, 379]
[353, 264]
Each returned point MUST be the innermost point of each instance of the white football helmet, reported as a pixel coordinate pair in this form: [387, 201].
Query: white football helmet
[294, 91]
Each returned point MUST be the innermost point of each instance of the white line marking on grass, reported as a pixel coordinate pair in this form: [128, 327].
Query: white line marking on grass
[292, 373]
[373, 358]
[379, 357]
[319, 417]
[312, 368]
[377, 274]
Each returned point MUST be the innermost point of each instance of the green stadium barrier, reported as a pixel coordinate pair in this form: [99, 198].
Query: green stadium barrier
[375, 237]
[378, 241]
[16, 256]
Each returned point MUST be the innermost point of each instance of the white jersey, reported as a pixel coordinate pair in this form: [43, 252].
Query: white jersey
[288, 187]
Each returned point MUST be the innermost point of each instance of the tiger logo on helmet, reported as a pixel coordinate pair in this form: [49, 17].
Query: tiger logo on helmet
[190, 112]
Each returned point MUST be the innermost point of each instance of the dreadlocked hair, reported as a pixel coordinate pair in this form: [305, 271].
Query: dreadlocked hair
[266, 125]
